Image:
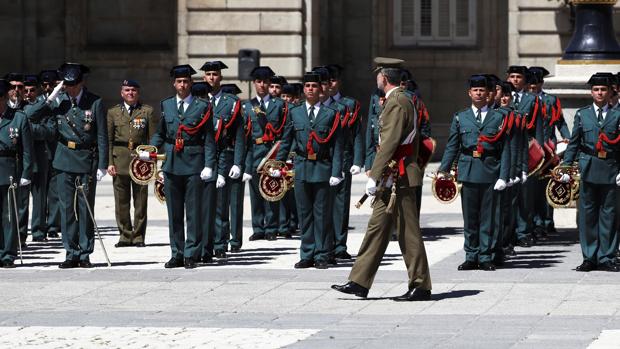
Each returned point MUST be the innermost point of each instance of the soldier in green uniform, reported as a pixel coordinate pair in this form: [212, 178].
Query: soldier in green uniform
[185, 134]
[81, 159]
[595, 145]
[483, 169]
[288, 209]
[353, 158]
[230, 141]
[237, 186]
[276, 84]
[265, 117]
[49, 79]
[130, 124]
[529, 107]
[316, 134]
[15, 162]
[42, 130]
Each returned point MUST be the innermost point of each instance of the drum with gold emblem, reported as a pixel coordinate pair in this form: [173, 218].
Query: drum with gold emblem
[446, 189]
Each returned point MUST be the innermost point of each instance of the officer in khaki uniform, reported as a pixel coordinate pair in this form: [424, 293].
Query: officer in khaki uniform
[314, 130]
[595, 145]
[130, 124]
[398, 142]
[15, 161]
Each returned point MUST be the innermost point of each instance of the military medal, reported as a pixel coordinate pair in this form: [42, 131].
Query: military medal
[88, 118]
[13, 134]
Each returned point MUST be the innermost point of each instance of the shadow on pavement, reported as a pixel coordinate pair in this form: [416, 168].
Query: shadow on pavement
[545, 253]
[454, 294]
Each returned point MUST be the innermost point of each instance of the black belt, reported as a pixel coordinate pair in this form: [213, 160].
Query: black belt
[485, 154]
[318, 157]
[186, 142]
[7, 153]
[76, 146]
[601, 155]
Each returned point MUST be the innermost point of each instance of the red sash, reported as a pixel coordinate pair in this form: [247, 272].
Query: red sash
[179, 142]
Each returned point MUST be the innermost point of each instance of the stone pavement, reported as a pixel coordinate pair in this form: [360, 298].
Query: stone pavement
[258, 300]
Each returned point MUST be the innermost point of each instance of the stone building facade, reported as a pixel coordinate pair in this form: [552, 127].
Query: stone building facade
[442, 41]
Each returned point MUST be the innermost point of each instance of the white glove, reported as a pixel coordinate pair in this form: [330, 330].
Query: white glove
[220, 182]
[101, 173]
[517, 180]
[24, 182]
[371, 187]
[500, 185]
[235, 172]
[246, 177]
[334, 181]
[618, 180]
[355, 170]
[55, 92]
[275, 173]
[144, 155]
[523, 176]
[510, 183]
[206, 174]
[566, 178]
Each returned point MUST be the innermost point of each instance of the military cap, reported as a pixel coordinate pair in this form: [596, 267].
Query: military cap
[493, 80]
[405, 75]
[601, 79]
[611, 76]
[289, 89]
[4, 87]
[73, 73]
[323, 72]
[213, 66]
[335, 70]
[299, 87]
[507, 87]
[31, 80]
[386, 62]
[48, 76]
[14, 77]
[262, 73]
[542, 71]
[130, 83]
[312, 77]
[478, 80]
[411, 85]
[182, 71]
[233, 89]
[278, 80]
[517, 69]
[201, 88]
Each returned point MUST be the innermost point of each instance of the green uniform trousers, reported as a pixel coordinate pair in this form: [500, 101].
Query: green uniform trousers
[78, 236]
[184, 195]
[342, 201]
[53, 203]
[38, 188]
[525, 208]
[265, 214]
[222, 217]
[23, 203]
[407, 222]
[237, 193]
[314, 205]
[124, 189]
[288, 213]
[209, 207]
[478, 201]
[8, 238]
[597, 214]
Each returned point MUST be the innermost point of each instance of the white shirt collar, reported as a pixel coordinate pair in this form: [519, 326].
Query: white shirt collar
[316, 107]
[217, 95]
[387, 94]
[605, 108]
[78, 98]
[186, 101]
[483, 111]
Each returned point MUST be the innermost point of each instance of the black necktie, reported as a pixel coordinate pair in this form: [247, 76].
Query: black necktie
[73, 102]
[213, 100]
[479, 116]
[600, 116]
[262, 105]
[516, 99]
[311, 115]
[130, 110]
[181, 108]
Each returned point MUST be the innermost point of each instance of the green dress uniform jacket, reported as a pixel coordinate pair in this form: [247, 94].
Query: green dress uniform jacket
[398, 121]
[312, 191]
[372, 130]
[260, 126]
[183, 187]
[126, 131]
[82, 148]
[598, 193]
[478, 173]
[16, 151]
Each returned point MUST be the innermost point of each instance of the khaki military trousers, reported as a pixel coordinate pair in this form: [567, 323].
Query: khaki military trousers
[406, 219]
[124, 189]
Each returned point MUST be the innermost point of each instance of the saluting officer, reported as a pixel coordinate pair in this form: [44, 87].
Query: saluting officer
[49, 79]
[130, 124]
[595, 145]
[81, 156]
[353, 158]
[186, 135]
[265, 117]
[315, 131]
[15, 161]
[483, 168]
[230, 142]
